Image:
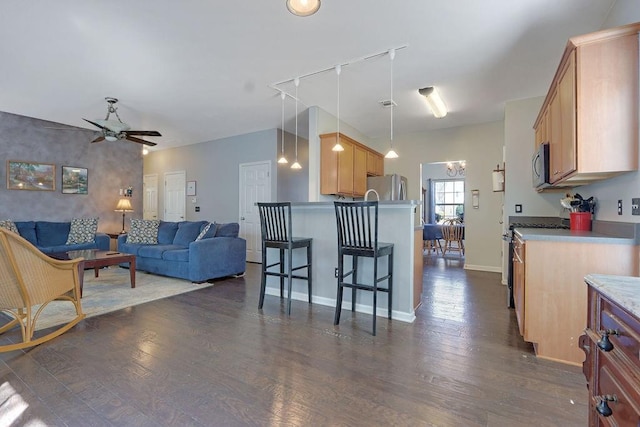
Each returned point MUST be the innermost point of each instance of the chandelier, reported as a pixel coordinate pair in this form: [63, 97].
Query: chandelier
[456, 168]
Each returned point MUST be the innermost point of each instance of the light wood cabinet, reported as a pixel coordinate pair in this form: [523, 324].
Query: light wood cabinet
[375, 163]
[590, 114]
[518, 282]
[344, 172]
[612, 371]
[554, 301]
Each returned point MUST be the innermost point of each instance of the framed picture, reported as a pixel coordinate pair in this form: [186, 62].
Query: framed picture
[75, 180]
[191, 188]
[30, 176]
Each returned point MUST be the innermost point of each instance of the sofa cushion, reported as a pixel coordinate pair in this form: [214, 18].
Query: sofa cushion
[82, 230]
[208, 231]
[166, 232]
[230, 229]
[144, 231]
[156, 251]
[176, 255]
[52, 233]
[187, 232]
[27, 229]
[9, 225]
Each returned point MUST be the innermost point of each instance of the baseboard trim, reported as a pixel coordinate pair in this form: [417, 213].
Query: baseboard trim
[346, 305]
[483, 268]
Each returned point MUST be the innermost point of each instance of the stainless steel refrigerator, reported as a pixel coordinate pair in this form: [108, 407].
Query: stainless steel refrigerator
[388, 187]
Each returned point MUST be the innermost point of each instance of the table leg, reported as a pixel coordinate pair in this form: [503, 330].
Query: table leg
[96, 271]
[132, 271]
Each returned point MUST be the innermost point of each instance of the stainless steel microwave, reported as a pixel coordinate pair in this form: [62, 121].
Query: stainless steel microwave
[540, 166]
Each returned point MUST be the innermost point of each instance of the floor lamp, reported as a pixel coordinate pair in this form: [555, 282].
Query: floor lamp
[124, 205]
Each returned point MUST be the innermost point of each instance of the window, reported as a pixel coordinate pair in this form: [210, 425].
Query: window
[449, 200]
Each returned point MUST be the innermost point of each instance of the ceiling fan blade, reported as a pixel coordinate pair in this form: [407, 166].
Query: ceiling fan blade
[98, 139]
[94, 123]
[141, 141]
[143, 132]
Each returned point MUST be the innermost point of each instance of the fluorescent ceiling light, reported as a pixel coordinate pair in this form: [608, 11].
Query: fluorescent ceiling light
[303, 7]
[436, 104]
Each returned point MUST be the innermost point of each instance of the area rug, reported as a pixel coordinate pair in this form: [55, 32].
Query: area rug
[112, 291]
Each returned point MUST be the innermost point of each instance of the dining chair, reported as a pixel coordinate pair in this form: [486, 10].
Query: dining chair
[357, 225]
[453, 234]
[276, 228]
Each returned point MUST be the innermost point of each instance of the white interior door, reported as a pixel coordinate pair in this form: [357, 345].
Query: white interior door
[174, 196]
[255, 186]
[150, 201]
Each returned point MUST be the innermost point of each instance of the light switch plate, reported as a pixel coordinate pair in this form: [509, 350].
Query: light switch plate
[518, 208]
[635, 206]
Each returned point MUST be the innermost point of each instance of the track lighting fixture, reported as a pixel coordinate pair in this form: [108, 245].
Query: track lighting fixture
[338, 146]
[282, 159]
[391, 154]
[295, 164]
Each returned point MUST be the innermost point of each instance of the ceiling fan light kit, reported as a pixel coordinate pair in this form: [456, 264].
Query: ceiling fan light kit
[113, 130]
[434, 101]
[303, 7]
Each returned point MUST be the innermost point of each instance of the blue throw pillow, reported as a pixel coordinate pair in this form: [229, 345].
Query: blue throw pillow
[187, 232]
[52, 233]
[167, 232]
[230, 229]
[27, 229]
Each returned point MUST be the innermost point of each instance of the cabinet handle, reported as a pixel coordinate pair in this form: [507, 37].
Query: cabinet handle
[604, 344]
[603, 407]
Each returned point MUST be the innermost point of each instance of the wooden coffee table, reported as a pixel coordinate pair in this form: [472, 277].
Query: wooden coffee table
[96, 259]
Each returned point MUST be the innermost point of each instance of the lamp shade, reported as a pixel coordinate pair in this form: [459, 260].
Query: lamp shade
[124, 205]
[303, 7]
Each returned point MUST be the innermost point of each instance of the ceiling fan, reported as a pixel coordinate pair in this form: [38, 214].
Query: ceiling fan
[113, 130]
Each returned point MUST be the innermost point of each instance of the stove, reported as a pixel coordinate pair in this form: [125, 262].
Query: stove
[553, 224]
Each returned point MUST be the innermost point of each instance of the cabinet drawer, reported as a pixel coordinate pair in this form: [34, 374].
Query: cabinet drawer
[625, 410]
[627, 339]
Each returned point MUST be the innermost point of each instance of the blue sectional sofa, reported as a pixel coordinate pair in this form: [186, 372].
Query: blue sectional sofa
[51, 237]
[218, 253]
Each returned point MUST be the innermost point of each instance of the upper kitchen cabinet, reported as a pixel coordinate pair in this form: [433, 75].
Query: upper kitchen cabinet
[345, 172]
[590, 115]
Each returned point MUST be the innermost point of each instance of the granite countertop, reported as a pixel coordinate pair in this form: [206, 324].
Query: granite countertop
[560, 235]
[623, 290]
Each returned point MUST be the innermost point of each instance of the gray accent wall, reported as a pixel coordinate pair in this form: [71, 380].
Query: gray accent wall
[111, 166]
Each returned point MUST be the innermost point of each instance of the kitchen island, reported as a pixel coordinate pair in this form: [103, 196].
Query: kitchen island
[397, 225]
[549, 290]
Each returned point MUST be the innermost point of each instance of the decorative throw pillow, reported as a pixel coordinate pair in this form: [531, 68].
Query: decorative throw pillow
[83, 230]
[9, 225]
[144, 231]
[208, 231]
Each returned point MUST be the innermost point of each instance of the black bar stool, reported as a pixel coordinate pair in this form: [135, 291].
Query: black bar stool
[275, 223]
[357, 224]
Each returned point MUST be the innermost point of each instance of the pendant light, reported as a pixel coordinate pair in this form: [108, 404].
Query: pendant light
[338, 146]
[391, 154]
[295, 164]
[282, 159]
[303, 7]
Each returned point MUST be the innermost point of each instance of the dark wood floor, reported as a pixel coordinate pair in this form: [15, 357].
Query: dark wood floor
[210, 358]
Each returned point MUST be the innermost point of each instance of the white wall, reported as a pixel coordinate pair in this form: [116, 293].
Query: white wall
[481, 146]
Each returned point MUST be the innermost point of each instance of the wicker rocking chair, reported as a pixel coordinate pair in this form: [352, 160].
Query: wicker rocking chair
[29, 280]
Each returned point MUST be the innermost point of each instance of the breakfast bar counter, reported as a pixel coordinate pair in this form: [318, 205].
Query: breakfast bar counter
[396, 225]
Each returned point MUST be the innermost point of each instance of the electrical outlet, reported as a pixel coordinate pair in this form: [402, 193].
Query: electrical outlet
[619, 207]
[518, 208]
[635, 206]
[335, 273]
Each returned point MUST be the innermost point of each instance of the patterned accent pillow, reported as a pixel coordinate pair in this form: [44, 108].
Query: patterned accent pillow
[83, 230]
[144, 231]
[9, 225]
[208, 231]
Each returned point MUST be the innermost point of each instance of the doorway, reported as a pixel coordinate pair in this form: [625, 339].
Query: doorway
[150, 198]
[174, 196]
[255, 186]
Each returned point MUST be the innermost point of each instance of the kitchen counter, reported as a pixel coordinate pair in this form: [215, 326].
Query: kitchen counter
[397, 225]
[574, 236]
[624, 290]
